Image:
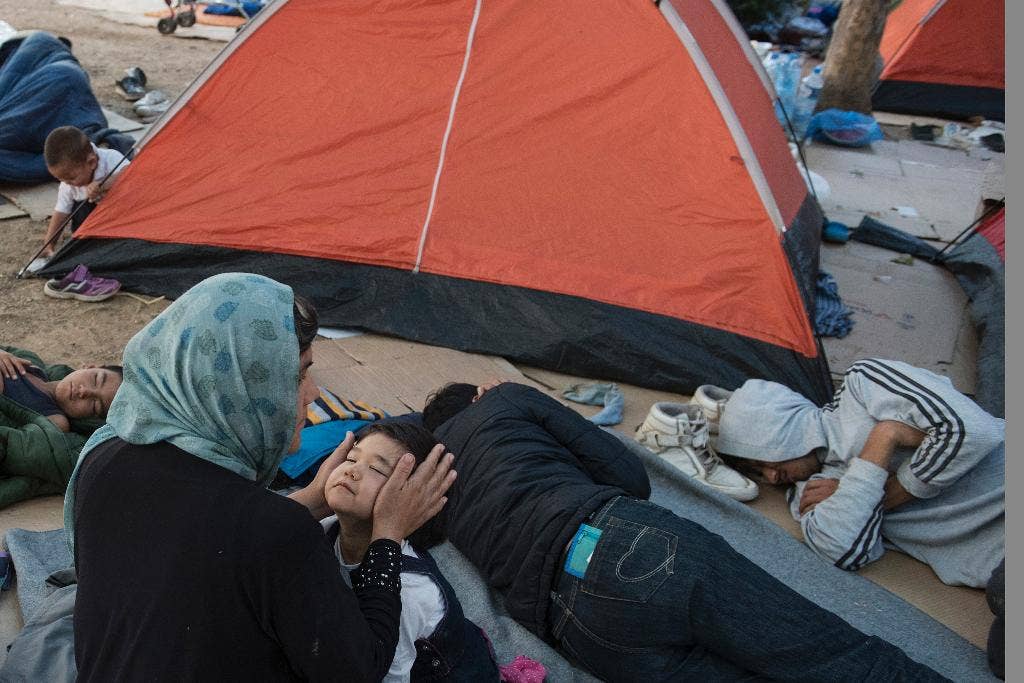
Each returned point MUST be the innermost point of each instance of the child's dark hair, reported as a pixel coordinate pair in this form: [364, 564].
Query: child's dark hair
[64, 145]
[418, 441]
[114, 368]
[449, 400]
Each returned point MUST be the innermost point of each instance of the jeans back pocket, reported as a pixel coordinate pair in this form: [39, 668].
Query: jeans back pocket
[630, 562]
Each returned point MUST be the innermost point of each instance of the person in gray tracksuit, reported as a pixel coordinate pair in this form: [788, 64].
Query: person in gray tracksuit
[898, 458]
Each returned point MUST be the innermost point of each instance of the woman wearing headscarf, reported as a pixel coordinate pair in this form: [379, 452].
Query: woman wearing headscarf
[188, 567]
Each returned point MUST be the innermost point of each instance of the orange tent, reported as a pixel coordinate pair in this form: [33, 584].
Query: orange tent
[599, 188]
[943, 58]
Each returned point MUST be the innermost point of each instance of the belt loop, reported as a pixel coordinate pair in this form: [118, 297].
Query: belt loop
[598, 517]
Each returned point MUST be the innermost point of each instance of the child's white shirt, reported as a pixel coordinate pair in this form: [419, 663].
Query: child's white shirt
[67, 195]
[422, 611]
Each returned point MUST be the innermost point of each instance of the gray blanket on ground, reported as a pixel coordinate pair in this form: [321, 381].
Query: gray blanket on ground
[864, 604]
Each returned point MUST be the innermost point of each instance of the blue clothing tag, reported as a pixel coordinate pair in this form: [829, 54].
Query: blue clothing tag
[581, 550]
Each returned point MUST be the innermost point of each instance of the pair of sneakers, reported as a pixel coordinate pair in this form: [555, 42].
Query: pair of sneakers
[148, 105]
[683, 434]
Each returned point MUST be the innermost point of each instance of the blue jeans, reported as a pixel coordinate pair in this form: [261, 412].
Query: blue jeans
[664, 599]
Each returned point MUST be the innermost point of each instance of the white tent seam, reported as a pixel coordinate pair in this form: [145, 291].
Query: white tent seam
[725, 108]
[447, 134]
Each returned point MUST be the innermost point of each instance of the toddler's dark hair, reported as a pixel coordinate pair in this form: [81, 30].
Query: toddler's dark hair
[64, 145]
[418, 441]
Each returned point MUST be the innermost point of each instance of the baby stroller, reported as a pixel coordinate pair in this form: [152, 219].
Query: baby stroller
[183, 13]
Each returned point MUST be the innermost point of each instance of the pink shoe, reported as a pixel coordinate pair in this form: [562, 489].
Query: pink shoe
[82, 285]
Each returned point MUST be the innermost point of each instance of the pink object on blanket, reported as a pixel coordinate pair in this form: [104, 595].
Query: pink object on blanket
[522, 669]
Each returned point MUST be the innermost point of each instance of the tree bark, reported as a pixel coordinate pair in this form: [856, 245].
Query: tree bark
[850, 64]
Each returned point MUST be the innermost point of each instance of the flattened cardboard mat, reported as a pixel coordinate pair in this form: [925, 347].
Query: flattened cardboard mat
[397, 375]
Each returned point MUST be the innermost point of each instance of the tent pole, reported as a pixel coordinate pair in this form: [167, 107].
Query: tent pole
[988, 212]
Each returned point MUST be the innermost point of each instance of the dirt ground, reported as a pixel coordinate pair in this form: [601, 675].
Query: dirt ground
[66, 330]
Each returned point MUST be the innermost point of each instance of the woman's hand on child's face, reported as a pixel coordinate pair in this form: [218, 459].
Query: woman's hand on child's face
[11, 366]
[312, 496]
[332, 462]
[408, 499]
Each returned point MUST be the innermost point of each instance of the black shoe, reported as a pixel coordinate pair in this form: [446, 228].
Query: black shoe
[130, 88]
[136, 73]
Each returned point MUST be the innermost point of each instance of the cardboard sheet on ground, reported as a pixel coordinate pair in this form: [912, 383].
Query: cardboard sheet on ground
[914, 313]
[397, 375]
[9, 209]
[944, 186]
[377, 369]
[123, 124]
[35, 200]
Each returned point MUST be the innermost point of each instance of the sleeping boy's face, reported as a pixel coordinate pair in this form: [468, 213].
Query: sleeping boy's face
[76, 174]
[353, 486]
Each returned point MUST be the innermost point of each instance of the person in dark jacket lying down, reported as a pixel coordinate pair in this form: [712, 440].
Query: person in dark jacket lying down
[553, 511]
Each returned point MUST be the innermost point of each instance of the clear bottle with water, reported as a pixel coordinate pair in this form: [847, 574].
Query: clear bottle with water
[807, 100]
[784, 71]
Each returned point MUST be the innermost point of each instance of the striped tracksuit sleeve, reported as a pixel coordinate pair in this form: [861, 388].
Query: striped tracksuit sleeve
[846, 527]
[958, 433]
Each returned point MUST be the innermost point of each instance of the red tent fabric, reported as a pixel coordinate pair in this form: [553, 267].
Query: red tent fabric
[944, 57]
[993, 229]
[624, 155]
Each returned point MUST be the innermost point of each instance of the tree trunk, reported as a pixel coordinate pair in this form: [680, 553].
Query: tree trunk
[850, 64]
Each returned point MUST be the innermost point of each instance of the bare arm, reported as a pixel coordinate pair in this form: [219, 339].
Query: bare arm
[60, 422]
[56, 220]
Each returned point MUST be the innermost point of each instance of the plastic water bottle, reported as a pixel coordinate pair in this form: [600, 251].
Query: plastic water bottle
[784, 69]
[807, 100]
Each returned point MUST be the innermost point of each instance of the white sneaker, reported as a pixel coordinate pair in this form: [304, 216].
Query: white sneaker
[678, 432]
[712, 401]
[151, 98]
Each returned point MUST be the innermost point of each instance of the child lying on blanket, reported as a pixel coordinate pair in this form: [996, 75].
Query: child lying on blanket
[46, 414]
[435, 639]
[82, 394]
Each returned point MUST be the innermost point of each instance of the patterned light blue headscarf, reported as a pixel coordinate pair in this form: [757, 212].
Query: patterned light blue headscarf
[216, 374]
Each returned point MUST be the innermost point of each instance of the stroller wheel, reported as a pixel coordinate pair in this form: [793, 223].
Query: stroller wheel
[166, 25]
[186, 19]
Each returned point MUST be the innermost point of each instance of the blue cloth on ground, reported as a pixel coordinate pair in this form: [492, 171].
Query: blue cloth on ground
[42, 87]
[596, 394]
[328, 418]
[233, 10]
[36, 555]
[831, 315]
[317, 443]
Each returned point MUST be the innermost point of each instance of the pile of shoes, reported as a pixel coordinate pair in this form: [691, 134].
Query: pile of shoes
[148, 105]
[683, 435]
